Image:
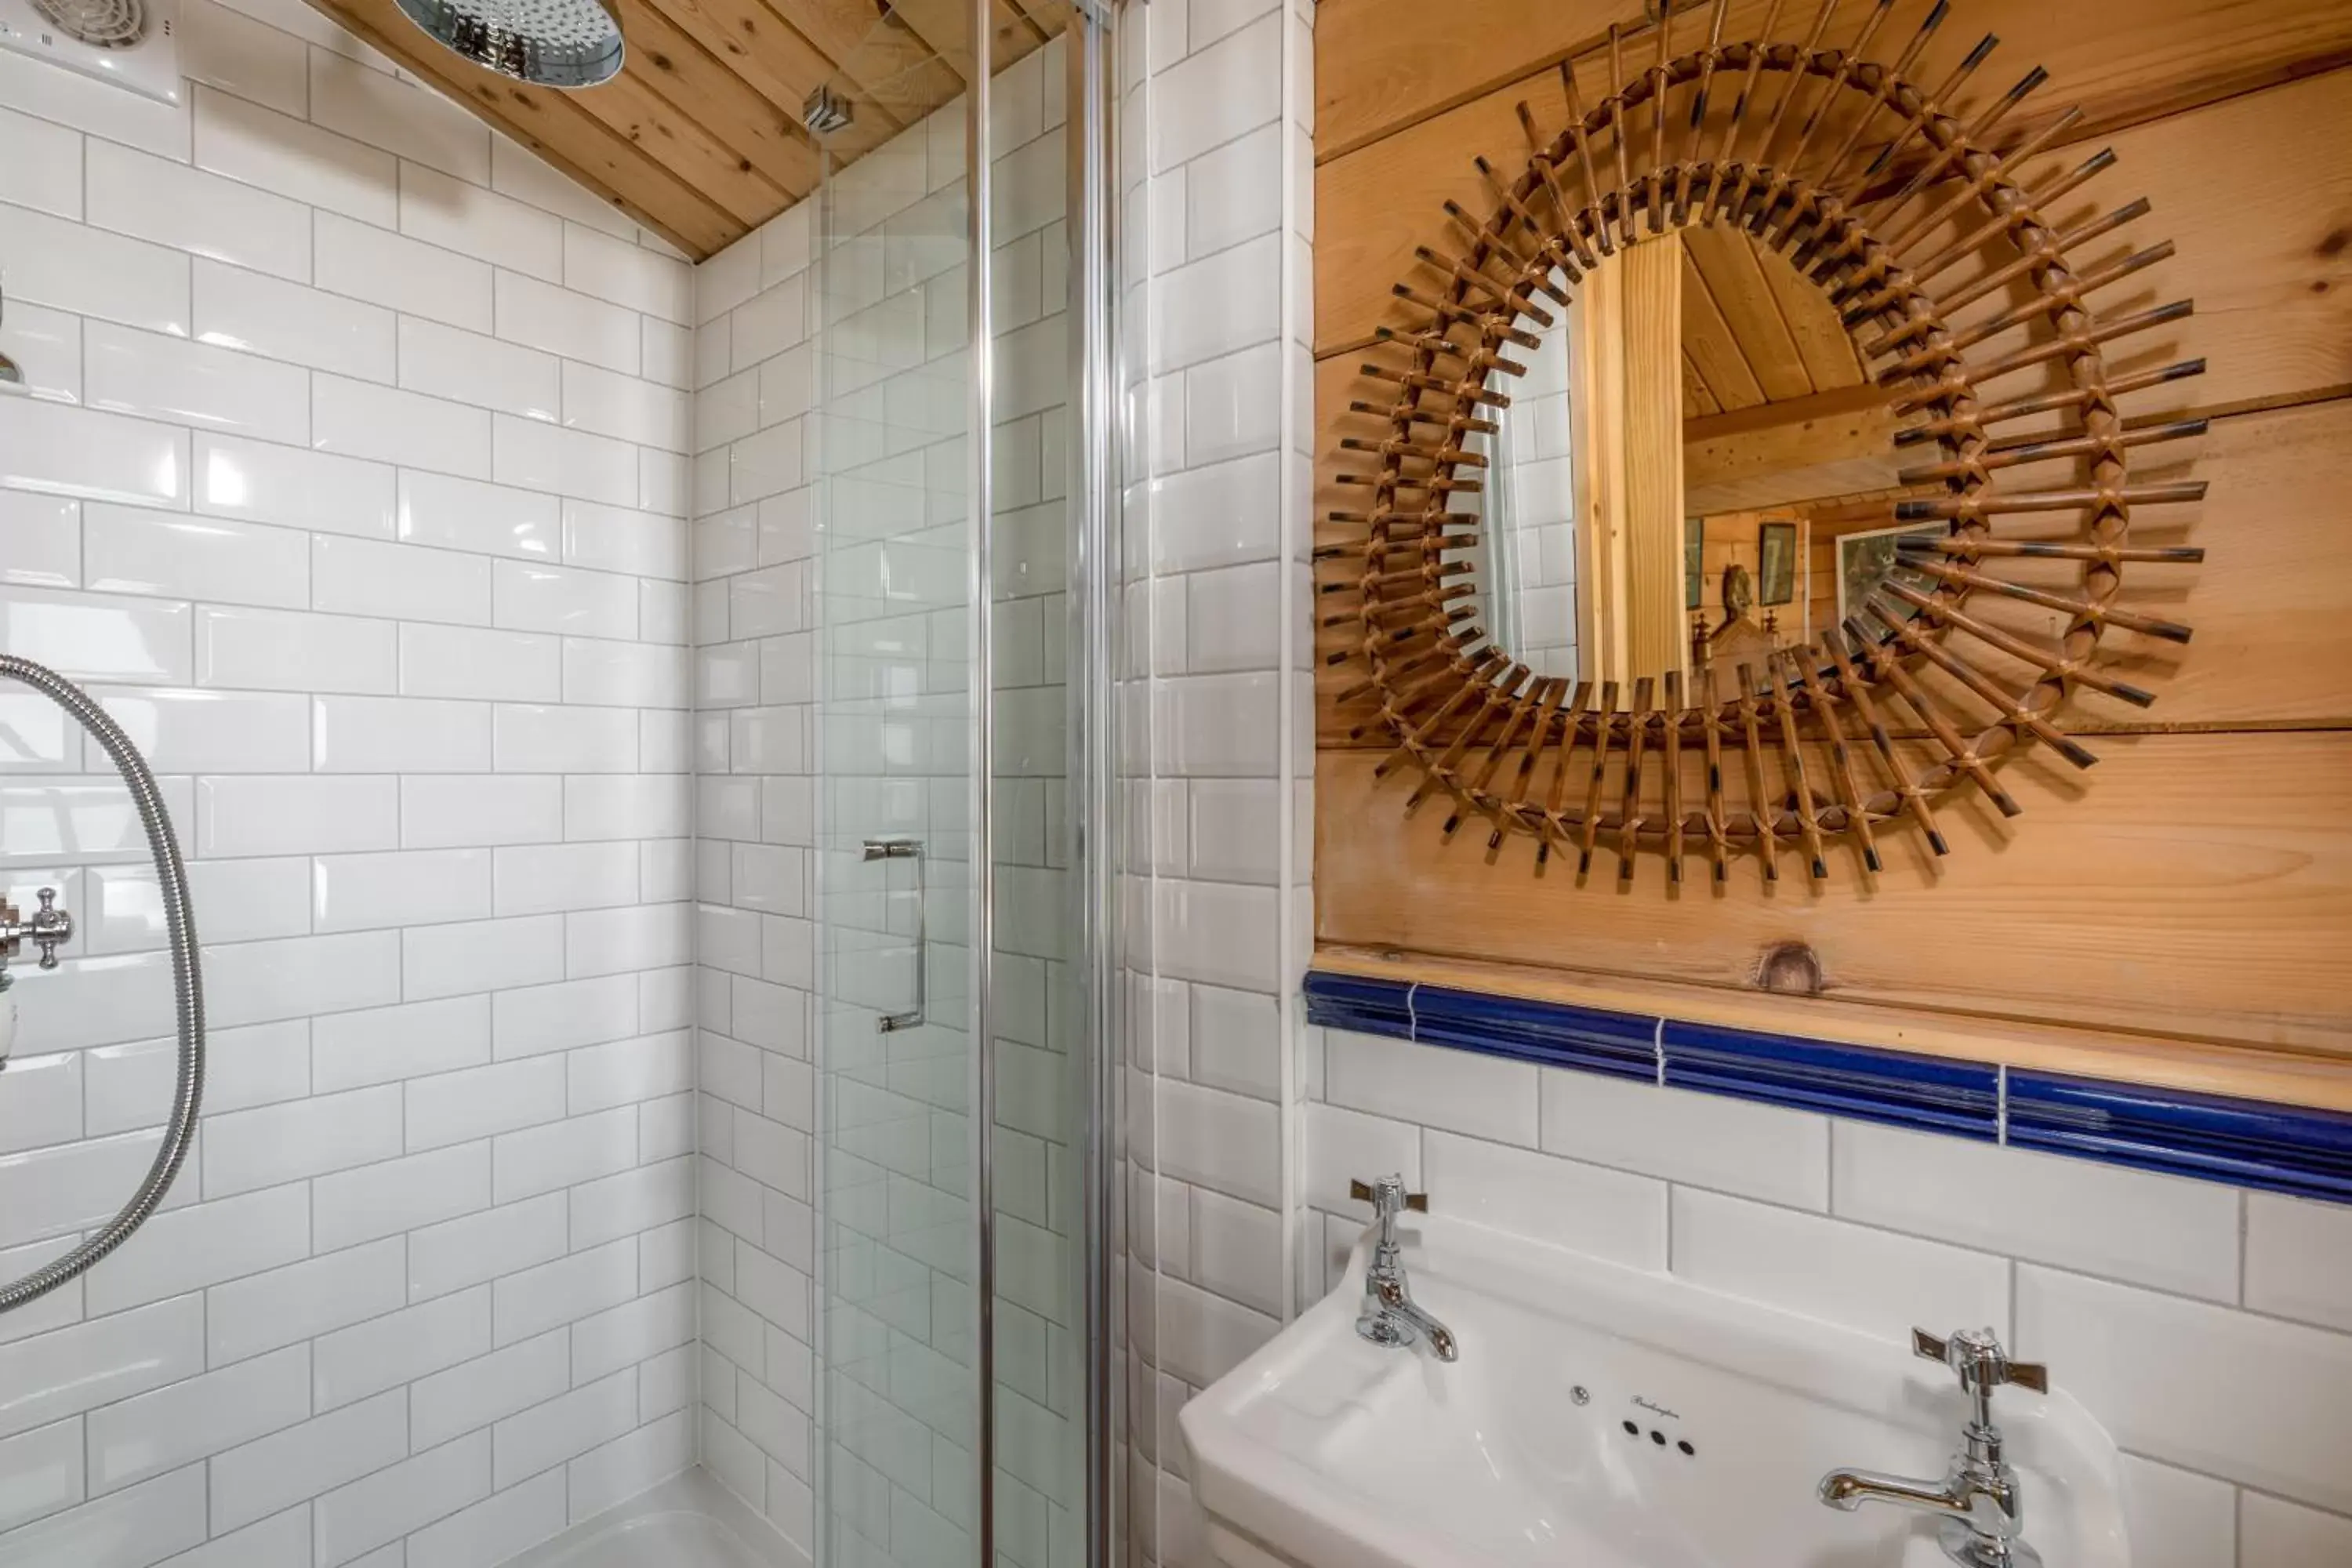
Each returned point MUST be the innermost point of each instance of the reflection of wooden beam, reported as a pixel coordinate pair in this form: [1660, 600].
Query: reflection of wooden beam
[1655, 278]
[1628, 400]
[1831, 444]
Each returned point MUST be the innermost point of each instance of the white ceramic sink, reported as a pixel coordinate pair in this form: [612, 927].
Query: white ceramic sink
[1327, 1451]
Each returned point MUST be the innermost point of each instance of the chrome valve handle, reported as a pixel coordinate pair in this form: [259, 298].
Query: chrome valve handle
[48, 928]
[1976, 1356]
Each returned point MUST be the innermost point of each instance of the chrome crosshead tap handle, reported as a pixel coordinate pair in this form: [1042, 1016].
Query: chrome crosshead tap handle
[1976, 1356]
[1388, 1197]
[49, 927]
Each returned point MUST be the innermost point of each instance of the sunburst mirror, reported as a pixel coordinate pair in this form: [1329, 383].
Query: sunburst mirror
[1752, 474]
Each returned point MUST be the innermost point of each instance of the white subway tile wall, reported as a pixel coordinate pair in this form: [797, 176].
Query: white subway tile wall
[2206, 1328]
[1217, 767]
[316, 362]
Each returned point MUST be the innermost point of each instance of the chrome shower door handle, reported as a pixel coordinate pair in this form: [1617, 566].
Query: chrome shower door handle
[904, 850]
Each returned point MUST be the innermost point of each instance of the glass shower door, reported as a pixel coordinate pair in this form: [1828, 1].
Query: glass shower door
[951, 1299]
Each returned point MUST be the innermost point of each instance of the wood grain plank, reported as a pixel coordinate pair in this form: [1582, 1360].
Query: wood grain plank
[555, 126]
[676, 66]
[1381, 68]
[1830, 444]
[772, 55]
[2141, 897]
[1727, 260]
[2261, 242]
[1713, 346]
[629, 108]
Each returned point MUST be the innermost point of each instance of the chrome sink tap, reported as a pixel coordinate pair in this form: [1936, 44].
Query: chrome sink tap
[1390, 1316]
[1983, 1517]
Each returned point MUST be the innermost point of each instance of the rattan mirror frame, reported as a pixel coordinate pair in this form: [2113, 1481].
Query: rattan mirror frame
[1882, 196]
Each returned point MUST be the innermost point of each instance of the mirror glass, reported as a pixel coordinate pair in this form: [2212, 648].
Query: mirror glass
[1693, 470]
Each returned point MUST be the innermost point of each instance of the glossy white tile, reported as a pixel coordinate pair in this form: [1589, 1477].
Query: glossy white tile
[398, 116]
[171, 204]
[260, 315]
[40, 540]
[47, 172]
[354, 418]
[400, 887]
[277, 154]
[385, 1045]
[2299, 1260]
[227, 49]
[573, 463]
[467, 367]
[284, 650]
[478, 221]
[261, 483]
[463, 661]
[445, 812]
[295, 814]
[399, 736]
[465, 514]
[91, 272]
[399, 580]
[183, 731]
[365, 262]
[544, 316]
[1757, 1151]
[159, 376]
[531, 596]
[131, 550]
[89, 454]
[2247, 1398]
[2153, 1230]
[259, 1148]
[182, 1424]
[1877, 1281]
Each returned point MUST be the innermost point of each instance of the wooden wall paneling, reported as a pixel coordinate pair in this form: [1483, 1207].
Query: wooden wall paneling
[1379, 66]
[2256, 236]
[553, 125]
[2144, 897]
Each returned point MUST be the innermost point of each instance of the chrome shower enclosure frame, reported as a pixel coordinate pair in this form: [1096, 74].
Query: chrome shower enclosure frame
[1084, 978]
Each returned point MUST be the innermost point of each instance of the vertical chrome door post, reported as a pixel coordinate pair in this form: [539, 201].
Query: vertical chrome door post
[1094, 602]
[978, 439]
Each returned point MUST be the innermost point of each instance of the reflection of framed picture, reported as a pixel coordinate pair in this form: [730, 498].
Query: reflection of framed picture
[1866, 559]
[1693, 562]
[1775, 563]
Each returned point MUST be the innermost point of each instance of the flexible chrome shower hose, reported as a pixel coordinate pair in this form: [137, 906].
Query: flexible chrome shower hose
[188, 984]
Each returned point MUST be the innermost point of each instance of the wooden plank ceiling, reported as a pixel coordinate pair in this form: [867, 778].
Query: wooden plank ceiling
[1753, 331]
[700, 137]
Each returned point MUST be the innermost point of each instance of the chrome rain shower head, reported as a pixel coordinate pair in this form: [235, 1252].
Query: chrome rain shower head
[548, 43]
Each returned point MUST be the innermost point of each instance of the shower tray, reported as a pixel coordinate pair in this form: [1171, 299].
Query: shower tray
[688, 1521]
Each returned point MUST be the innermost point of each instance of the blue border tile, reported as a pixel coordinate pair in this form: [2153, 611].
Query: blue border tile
[2244, 1142]
[2249, 1142]
[1927, 1093]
